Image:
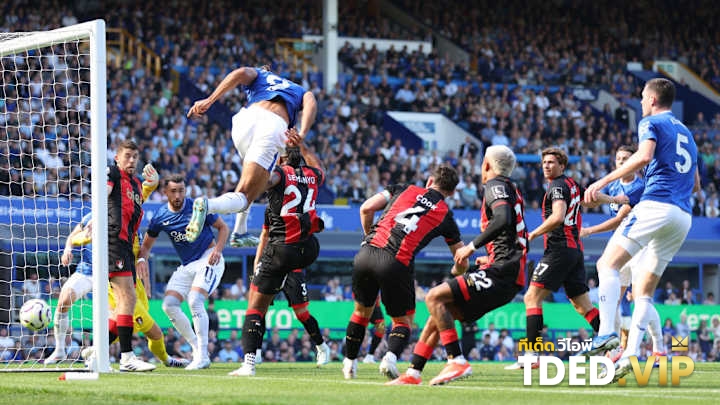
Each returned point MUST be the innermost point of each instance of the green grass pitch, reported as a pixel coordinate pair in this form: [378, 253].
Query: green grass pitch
[302, 383]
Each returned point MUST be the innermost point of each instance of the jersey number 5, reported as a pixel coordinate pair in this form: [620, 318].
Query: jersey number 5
[684, 154]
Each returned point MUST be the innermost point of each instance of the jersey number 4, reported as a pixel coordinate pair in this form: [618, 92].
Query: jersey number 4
[410, 218]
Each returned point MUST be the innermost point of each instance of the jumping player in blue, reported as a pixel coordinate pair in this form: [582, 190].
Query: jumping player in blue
[201, 269]
[662, 218]
[258, 132]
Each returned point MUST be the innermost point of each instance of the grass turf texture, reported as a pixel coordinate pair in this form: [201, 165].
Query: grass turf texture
[303, 383]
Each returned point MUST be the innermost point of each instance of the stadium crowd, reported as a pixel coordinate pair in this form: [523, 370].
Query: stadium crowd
[531, 110]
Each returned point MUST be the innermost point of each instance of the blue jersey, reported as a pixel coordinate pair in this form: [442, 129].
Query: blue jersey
[85, 264]
[670, 176]
[174, 223]
[632, 190]
[268, 85]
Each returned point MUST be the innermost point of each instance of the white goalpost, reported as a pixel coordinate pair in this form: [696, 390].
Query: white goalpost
[53, 163]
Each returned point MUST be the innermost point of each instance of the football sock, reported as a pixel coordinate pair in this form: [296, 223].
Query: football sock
[157, 347]
[534, 324]
[399, 338]
[228, 203]
[593, 318]
[655, 331]
[618, 321]
[62, 323]
[241, 221]
[196, 302]
[112, 331]
[643, 312]
[251, 333]
[171, 306]
[375, 342]
[125, 327]
[354, 335]
[312, 328]
[609, 293]
[420, 356]
[449, 339]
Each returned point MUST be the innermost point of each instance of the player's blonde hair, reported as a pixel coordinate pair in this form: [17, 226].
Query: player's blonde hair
[501, 159]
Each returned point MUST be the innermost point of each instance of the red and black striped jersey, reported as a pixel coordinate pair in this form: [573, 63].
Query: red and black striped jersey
[412, 218]
[568, 235]
[290, 215]
[124, 205]
[511, 243]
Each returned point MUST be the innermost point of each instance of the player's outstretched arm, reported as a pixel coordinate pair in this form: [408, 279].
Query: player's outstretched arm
[243, 75]
[609, 225]
[602, 198]
[309, 111]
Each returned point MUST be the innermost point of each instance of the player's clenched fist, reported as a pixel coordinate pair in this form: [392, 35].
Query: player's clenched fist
[151, 176]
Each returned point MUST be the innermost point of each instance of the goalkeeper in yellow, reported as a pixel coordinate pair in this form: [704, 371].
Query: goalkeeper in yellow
[80, 283]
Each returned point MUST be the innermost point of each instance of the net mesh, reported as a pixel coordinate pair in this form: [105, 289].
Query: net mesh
[44, 191]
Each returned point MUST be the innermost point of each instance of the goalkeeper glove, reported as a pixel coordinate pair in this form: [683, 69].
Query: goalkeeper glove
[152, 179]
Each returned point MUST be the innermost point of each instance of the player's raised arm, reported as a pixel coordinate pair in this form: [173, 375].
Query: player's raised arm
[294, 139]
[151, 180]
[243, 75]
[309, 111]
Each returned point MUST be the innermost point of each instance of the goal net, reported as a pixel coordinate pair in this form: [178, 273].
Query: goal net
[52, 173]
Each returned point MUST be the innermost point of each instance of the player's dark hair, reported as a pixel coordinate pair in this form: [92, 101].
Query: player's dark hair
[128, 144]
[174, 178]
[446, 178]
[664, 89]
[293, 156]
[627, 148]
[559, 154]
